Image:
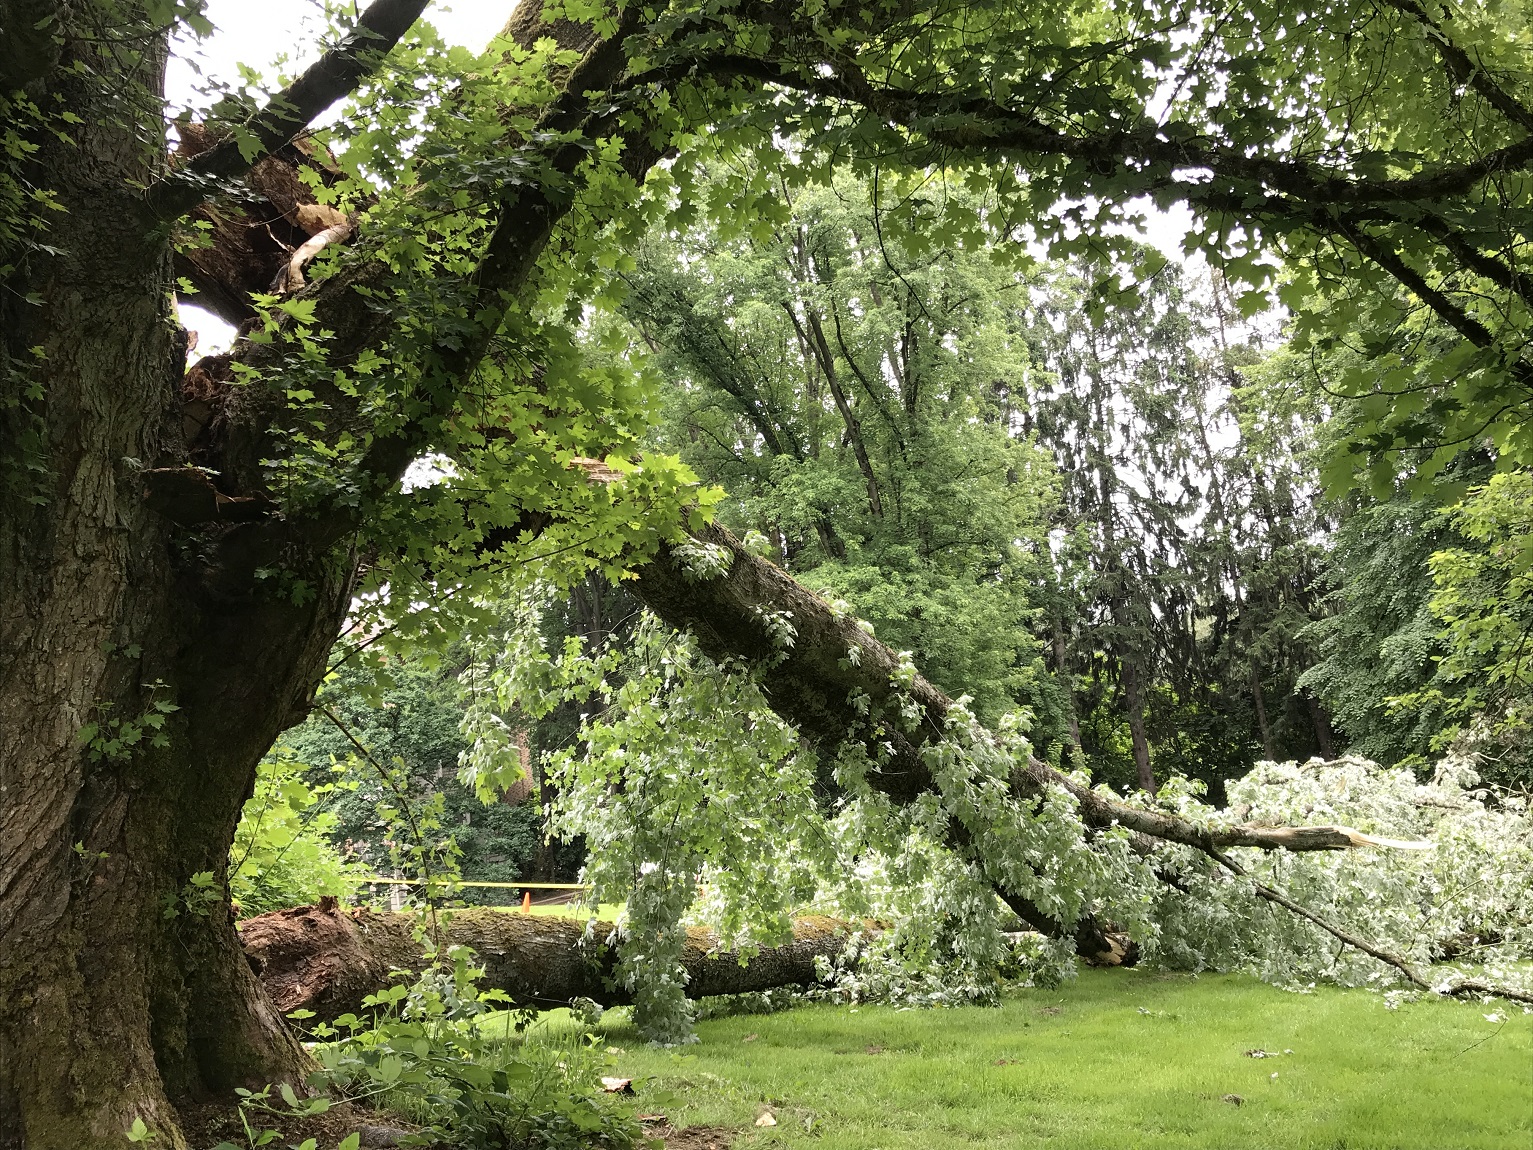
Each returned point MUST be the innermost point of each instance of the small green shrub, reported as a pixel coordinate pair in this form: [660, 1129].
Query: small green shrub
[282, 854]
[428, 1051]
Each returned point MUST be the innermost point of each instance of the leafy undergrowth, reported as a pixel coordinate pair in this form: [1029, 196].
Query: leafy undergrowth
[430, 1051]
[1115, 1059]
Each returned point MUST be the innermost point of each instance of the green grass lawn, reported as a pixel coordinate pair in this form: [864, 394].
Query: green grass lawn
[1116, 1060]
[607, 911]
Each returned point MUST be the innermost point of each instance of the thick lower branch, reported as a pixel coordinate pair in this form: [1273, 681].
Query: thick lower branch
[327, 960]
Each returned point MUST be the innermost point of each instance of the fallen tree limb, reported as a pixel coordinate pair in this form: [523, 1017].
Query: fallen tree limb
[1465, 988]
[832, 662]
[837, 684]
[327, 960]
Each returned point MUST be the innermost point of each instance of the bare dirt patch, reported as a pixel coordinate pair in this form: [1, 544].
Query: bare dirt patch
[209, 1123]
[693, 1137]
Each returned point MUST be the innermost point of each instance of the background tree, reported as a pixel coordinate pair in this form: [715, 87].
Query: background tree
[861, 403]
[412, 723]
[1187, 544]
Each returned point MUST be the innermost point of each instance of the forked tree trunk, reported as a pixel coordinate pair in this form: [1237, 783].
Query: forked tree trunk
[122, 982]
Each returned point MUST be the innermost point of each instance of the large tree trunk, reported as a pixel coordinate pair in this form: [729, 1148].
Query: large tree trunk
[815, 686]
[159, 625]
[141, 678]
[327, 960]
[121, 978]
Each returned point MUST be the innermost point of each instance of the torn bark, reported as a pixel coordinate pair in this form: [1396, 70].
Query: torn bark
[328, 960]
[291, 278]
[331, 78]
[251, 236]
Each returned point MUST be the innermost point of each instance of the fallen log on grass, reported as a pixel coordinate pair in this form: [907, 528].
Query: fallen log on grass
[327, 959]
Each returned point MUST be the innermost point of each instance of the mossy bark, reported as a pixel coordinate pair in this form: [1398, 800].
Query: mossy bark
[122, 983]
[146, 565]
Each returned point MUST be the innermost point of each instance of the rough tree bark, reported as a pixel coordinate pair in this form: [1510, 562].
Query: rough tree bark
[812, 682]
[114, 989]
[130, 594]
[327, 960]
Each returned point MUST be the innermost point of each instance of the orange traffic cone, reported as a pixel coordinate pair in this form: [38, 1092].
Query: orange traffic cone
[526, 902]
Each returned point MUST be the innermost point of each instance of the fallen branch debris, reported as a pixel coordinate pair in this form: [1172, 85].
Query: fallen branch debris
[327, 960]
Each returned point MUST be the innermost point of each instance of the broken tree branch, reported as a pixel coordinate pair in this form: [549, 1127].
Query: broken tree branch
[1462, 989]
[327, 960]
[832, 661]
[334, 76]
[291, 277]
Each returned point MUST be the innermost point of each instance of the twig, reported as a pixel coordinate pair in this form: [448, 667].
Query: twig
[404, 805]
[1350, 939]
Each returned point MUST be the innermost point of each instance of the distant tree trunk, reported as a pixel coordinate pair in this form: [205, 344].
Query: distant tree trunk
[854, 435]
[545, 865]
[1133, 690]
[1325, 737]
[1260, 706]
[1062, 670]
[589, 613]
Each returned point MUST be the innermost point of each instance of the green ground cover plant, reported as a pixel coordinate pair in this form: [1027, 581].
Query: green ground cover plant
[1114, 1059]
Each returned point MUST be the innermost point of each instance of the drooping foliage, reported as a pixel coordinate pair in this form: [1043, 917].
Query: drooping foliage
[1483, 599]
[667, 786]
[284, 852]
